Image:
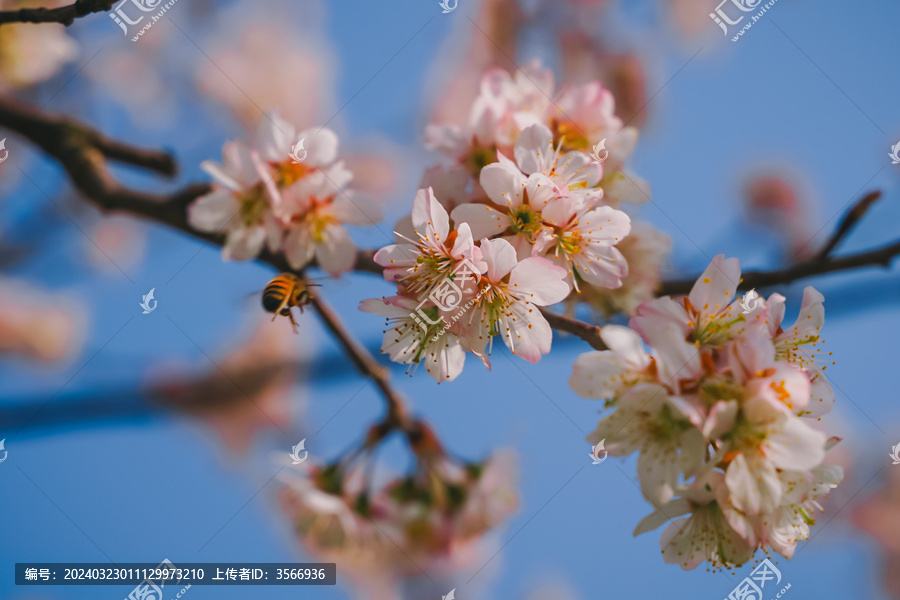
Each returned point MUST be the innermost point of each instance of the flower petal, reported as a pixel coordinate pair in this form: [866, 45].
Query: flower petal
[627, 344]
[503, 183]
[794, 445]
[444, 358]
[500, 257]
[430, 218]
[213, 212]
[716, 286]
[321, 146]
[526, 332]
[539, 281]
[336, 254]
[534, 149]
[483, 220]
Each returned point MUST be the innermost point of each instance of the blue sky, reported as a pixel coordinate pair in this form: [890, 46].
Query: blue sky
[811, 88]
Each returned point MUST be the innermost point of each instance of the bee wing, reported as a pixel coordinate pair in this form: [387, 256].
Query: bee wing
[251, 297]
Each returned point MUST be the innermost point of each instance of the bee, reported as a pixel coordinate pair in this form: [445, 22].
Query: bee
[283, 293]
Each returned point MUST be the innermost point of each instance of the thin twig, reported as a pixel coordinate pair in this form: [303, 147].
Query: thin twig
[366, 364]
[810, 268]
[64, 14]
[850, 219]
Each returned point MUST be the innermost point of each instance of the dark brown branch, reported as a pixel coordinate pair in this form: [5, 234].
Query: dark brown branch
[589, 333]
[850, 220]
[760, 279]
[397, 416]
[84, 154]
[69, 141]
[365, 262]
[64, 14]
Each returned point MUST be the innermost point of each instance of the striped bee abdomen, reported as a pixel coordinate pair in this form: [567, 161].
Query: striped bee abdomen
[275, 294]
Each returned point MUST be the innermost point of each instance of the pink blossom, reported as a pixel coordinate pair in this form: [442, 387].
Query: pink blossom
[242, 204]
[419, 265]
[407, 340]
[644, 250]
[509, 299]
[265, 197]
[720, 407]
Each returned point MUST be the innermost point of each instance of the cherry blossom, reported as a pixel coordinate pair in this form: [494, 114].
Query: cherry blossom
[644, 250]
[419, 265]
[505, 105]
[546, 207]
[705, 535]
[409, 340]
[242, 204]
[715, 412]
[40, 326]
[508, 305]
[380, 533]
[583, 240]
[800, 345]
[266, 198]
[577, 117]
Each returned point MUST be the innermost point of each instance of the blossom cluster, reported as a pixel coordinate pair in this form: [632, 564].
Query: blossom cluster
[578, 117]
[525, 214]
[721, 414]
[432, 519]
[264, 197]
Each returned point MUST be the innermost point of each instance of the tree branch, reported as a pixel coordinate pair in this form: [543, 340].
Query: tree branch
[64, 14]
[83, 153]
[587, 332]
[366, 364]
[849, 221]
[816, 266]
